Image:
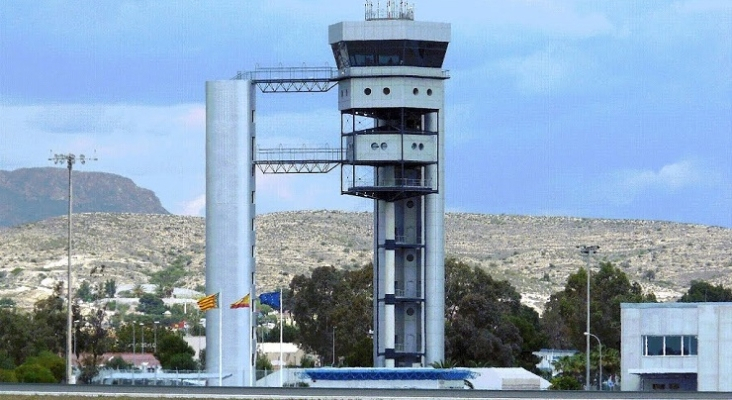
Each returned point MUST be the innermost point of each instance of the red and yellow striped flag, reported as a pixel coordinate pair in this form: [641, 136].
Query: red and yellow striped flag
[241, 303]
[209, 302]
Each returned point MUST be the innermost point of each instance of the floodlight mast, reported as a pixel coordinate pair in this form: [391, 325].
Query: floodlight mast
[588, 251]
[69, 159]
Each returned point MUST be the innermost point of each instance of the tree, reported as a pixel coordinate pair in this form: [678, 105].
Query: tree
[49, 323]
[85, 292]
[16, 338]
[92, 340]
[174, 353]
[110, 288]
[333, 306]
[289, 334]
[486, 324]
[702, 292]
[565, 314]
[168, 277]
[151, 304]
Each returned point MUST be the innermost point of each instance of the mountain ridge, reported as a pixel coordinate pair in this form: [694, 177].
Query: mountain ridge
[535, 254]
[34, 194]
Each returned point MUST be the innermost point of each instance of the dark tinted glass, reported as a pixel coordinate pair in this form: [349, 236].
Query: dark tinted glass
[654, 345]
[673, 345]
[367, 53]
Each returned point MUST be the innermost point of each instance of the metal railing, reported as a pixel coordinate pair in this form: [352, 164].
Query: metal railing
[409, 293]
[297, 159]
[291, 79]
[395, 183]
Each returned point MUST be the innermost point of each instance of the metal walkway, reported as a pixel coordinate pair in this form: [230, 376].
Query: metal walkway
[289, 160]
[292, 79]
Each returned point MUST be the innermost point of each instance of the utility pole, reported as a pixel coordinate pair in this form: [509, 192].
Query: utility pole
[69, 160]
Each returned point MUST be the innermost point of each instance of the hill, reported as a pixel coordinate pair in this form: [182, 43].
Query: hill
[34, 194]
[536, 254]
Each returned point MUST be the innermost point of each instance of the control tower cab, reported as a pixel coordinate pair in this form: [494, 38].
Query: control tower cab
[391, 98]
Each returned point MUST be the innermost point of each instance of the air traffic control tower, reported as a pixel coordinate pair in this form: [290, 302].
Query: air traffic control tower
[390, 85]
[391, 98]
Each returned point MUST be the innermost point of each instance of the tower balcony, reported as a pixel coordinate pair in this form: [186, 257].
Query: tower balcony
[388, 190]
[408, 293]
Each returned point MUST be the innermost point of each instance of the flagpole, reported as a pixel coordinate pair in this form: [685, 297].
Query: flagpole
[252, 339]
[281, 366]
[221, 340]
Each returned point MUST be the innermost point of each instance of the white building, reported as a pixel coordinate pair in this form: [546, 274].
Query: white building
[676, 346]
[549, 357]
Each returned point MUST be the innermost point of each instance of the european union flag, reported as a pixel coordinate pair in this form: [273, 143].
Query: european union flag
[271, 299]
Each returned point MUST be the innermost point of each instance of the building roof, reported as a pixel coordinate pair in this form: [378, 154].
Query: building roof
[673, 305]
[268, 347]
[386, 374]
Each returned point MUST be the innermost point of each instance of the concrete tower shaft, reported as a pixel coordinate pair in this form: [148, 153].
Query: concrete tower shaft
[230, 235]
[391, 98]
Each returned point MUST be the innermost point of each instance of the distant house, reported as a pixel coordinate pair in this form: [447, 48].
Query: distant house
[291, 354]
[549, 356]
[137, 360]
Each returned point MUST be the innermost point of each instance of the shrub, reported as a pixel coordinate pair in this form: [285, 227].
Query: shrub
[34, 373]
[565, 383]
[8, 375]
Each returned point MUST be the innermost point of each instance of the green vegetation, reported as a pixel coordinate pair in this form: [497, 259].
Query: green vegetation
[175, 353]
[485, 322]
[565, 314]
[169, 276]
[703, 292]
[7, 302]
[342, 302]
[151, 304]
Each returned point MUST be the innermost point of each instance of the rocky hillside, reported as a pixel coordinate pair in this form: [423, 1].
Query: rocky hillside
[536, 254]
[34, 194]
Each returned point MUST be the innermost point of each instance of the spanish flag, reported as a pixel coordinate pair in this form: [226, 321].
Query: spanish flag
[209, 302]
[241, 303]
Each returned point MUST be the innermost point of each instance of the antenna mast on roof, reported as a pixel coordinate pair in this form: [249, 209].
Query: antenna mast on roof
[403, 10]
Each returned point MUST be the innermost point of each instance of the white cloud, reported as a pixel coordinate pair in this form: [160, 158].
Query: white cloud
[623, 187]
[554, 17]
[195, 207]
[702, 6]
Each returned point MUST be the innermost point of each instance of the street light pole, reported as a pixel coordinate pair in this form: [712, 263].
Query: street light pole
[156, 336]
[134, 336]
[142, 333]
[334, 329]
[69, 160]
[599, 343]
[588, 250]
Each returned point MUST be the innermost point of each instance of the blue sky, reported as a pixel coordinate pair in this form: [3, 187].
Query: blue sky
[603, 109]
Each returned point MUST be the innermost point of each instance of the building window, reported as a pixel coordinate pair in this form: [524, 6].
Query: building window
[690, 345]
[670, 345]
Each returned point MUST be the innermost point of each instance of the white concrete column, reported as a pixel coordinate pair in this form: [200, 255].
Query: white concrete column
[230, 236]
[389, 276]
[435, 250]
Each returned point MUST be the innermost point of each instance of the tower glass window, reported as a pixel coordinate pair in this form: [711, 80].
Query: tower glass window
[382, 53]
